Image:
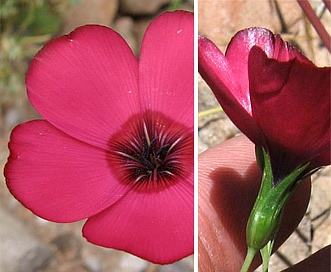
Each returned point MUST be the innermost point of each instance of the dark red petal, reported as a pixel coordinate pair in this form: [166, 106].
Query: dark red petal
[238, 51]
[166, 70]
[291, 103]
[229, 89]
[85, 83]
[58, 177]
[153, 223]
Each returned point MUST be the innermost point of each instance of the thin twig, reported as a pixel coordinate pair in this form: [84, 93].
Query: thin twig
[313, 18]
[281, 18]
[210, 112]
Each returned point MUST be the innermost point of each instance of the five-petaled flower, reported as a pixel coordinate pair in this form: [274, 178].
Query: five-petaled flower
[274, 95]
[116, 145]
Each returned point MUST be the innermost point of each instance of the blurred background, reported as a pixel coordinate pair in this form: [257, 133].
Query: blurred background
[219, 20]
[28, 243]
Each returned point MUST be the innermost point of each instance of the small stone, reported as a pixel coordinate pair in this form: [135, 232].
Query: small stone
[184, 265]
[130, 263]
[68, 245]
[84, 12]
[124, 26]
[142, 7]
[20, 250]
[35, 260]
[92, 264]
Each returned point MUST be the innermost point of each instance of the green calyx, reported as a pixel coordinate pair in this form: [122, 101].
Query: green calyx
[266, 214]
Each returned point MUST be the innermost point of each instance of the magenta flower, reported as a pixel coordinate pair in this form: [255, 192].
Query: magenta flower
[274, 95]
[117, 143]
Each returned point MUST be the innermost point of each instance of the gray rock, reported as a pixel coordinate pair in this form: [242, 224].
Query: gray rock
[20, 250]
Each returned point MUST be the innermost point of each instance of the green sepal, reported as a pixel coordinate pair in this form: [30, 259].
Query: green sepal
[265, 217]
[266, 214]
[259, 154]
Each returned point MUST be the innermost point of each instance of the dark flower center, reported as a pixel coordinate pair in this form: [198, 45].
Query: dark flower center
[152, 148]
[150, 159]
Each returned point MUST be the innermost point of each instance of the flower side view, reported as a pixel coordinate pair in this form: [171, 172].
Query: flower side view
[116, 145]
[277, 97]
[281, 101]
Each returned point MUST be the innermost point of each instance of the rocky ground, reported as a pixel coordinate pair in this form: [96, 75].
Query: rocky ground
[219, 21]
[30, 244]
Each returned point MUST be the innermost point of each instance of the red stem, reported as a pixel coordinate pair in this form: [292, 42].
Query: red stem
[315, 21]
[327, 3]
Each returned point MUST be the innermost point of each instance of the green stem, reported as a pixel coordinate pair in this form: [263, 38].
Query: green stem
[175, 4]
[266, 253]
[35, 39]
[251, 252]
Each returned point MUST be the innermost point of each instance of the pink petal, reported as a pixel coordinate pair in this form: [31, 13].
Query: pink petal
[85, 83]
[237, 57]
[151, 222]
[218, 74]
[166, 66]
[274, 47]
[239, 48]
[58, 177]
[217, 70]
[291, 103]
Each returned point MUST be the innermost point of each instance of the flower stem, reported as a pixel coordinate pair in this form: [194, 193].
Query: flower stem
[315, 21]
[175, 4]
[265, 217]
[266, 253]
[251, 252]
[327, 4]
